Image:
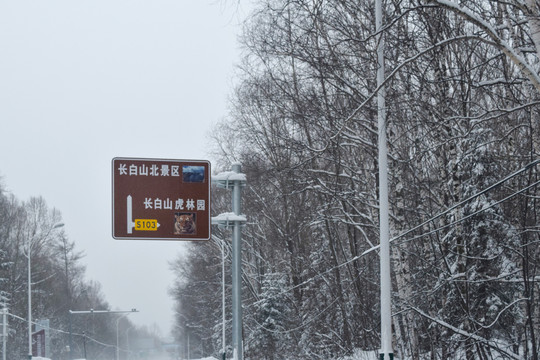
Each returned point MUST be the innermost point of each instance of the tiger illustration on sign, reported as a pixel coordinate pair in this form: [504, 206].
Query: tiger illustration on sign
[184, 224]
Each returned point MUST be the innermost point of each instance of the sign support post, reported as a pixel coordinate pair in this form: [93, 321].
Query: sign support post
[237, 269]
[235, 180]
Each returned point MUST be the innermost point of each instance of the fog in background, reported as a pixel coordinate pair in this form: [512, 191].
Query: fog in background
[82, 82]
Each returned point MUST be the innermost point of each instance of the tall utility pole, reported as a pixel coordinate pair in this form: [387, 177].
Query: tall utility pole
[4, 332]
[234, 180]
[29, 254]
[30, 241]
[384, 227]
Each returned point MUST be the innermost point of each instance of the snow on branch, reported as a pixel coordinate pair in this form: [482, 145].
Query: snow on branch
[490, 31]
[467, 334]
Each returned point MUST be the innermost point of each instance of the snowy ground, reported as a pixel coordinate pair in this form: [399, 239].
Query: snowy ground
[362, 355]
[358, 355]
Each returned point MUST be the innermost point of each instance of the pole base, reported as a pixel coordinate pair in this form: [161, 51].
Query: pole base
[390, 357]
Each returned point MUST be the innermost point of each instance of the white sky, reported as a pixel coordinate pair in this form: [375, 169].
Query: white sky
[82, 82]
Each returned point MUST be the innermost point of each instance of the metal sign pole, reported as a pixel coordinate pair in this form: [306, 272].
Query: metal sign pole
[223, 319]
[237, 268]
[234, 180]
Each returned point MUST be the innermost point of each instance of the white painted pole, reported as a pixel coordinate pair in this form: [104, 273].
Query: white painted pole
[188, 355]
[4, 333]
[223, 338]
[30, 240]
[117, 342]
[386, 351]
[237, 268]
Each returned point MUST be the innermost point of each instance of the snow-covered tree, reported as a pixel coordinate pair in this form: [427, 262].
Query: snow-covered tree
[462, 105]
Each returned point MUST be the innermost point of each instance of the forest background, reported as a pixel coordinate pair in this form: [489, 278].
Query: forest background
[59, 284]
[462, 96]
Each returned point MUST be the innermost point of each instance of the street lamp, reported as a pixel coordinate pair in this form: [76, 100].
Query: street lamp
[117, 342]
[127, 342]
[29, 254]
[124, 312]
[117, 337]
[187, 326]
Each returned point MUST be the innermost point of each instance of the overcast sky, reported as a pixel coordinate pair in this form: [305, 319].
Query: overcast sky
[82, 82]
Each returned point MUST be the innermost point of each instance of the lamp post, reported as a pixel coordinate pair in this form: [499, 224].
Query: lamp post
[127, 342]
[126, 313]
[187, 327]
[29, 254]
[386, 352]
[188, 355]
[92, 311]
[117, 342]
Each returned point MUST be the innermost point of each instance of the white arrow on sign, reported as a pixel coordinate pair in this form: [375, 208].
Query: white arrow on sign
[130, 223]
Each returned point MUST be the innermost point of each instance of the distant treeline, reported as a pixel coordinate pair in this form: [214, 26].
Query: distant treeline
[58, 285]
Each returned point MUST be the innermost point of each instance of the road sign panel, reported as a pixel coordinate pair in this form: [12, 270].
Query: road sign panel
[159, 199]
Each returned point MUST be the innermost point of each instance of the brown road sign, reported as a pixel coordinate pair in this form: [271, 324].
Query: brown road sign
[157, 199]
